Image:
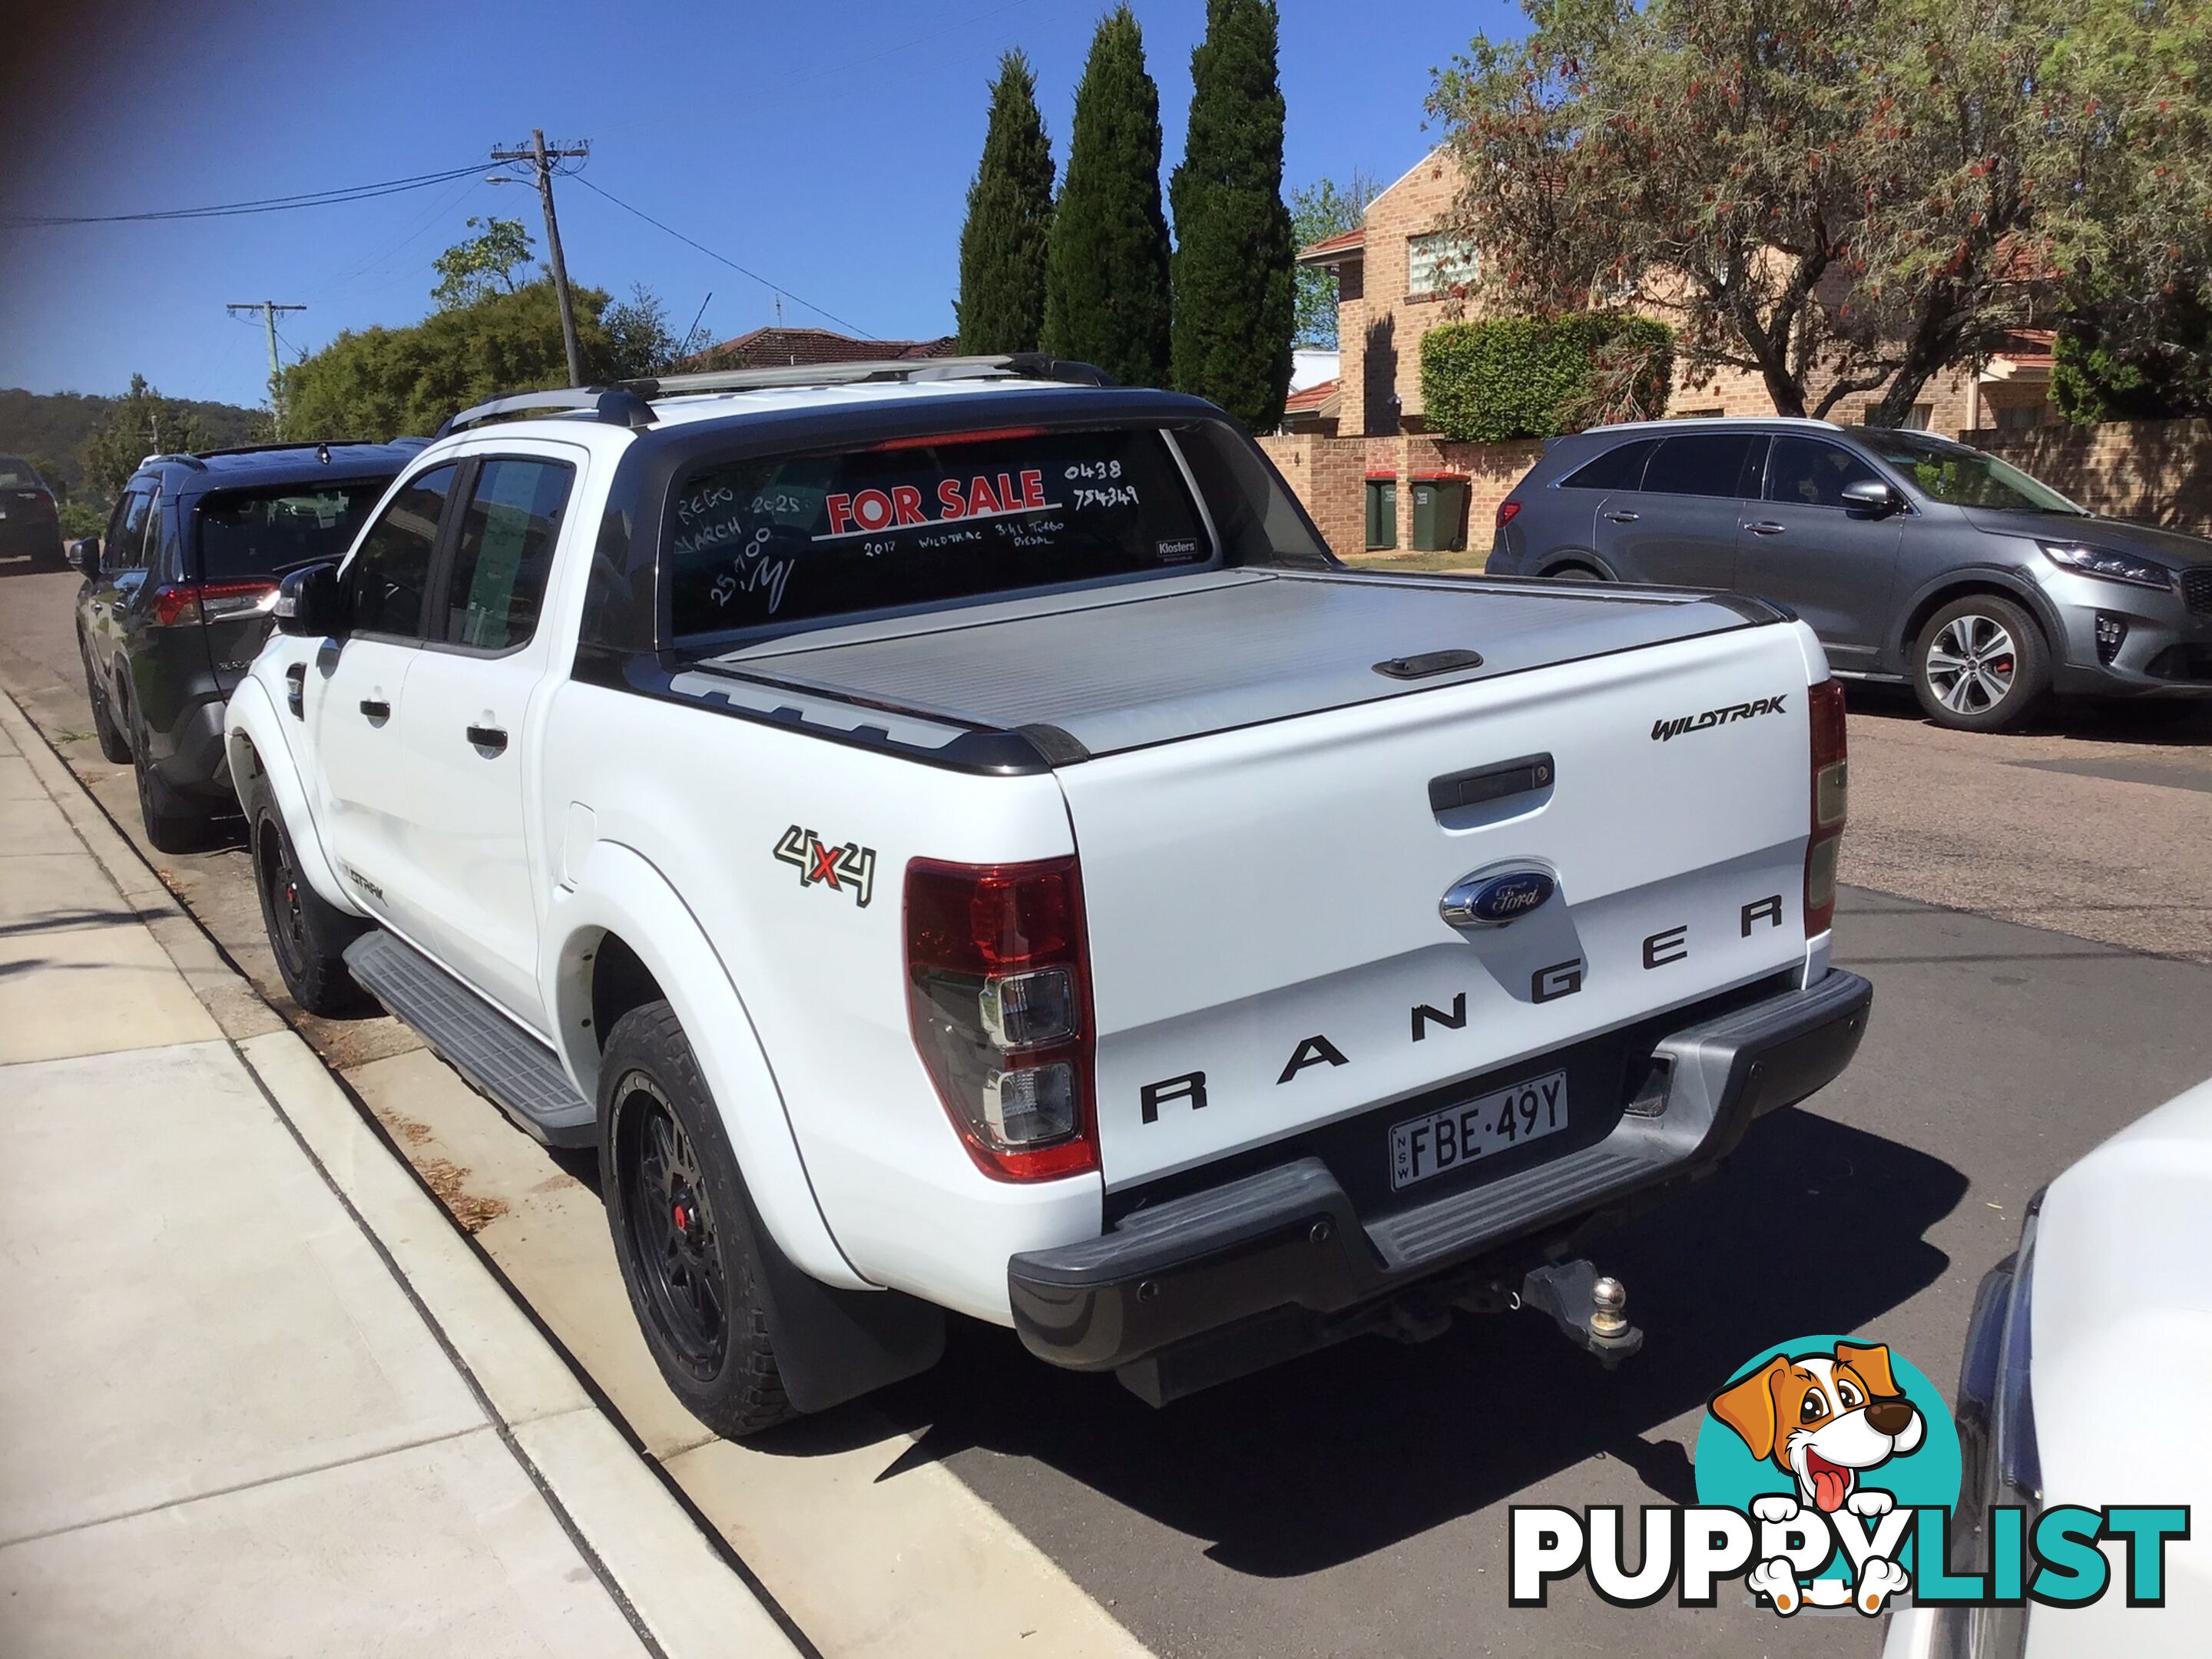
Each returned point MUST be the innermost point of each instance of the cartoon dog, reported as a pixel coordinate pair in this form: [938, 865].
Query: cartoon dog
[1822, 1419]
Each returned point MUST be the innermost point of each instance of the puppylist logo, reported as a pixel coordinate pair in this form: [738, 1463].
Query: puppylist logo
[1827, 1471]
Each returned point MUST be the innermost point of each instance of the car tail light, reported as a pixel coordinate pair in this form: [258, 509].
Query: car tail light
[999, 996]
[175, 602]
[42, 506]
[1831, 803]
[1507, 512]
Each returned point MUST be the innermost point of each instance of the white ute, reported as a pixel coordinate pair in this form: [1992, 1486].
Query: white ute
[951, 837]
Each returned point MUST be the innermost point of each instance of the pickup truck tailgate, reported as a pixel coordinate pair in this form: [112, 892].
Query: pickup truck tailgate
[1263, 855]
[1263, 903]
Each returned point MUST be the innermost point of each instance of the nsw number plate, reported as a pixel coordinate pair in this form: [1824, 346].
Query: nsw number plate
[1425, 1146]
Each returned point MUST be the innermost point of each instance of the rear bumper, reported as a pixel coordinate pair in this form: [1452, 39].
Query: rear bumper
[197, 764]
[1283, 1258]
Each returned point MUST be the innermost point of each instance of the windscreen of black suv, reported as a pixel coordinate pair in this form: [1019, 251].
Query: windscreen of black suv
[265, 532]
[924, 521]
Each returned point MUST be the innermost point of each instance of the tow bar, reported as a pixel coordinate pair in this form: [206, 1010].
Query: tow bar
[1590, 1308]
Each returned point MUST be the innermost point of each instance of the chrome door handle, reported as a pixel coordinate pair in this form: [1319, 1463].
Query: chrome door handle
[376, 708]
[488, 737]
[1624, 518]
[1766, 527]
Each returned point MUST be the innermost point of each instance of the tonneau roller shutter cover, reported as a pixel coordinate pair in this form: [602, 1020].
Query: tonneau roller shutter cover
[771, 541]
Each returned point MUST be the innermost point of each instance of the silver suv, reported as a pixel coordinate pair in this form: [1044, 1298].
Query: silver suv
[1912, 557]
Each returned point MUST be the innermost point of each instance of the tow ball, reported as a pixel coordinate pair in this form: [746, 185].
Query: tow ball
[1590, 1308]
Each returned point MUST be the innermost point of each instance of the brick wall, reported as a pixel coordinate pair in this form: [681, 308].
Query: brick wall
[1330, 475]
[2158, 472]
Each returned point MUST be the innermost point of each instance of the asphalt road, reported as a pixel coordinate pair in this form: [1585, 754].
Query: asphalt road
[1356, 1502]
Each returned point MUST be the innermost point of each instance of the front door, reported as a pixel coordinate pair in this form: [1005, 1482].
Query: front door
[464, 722]
[1830, 561]
[352, 698]
[1681, 528]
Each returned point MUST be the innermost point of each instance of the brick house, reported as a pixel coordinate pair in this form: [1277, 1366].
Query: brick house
[1393, 279]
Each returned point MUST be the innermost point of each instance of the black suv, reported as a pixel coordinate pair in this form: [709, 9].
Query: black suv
[30, 524]
[177, 599]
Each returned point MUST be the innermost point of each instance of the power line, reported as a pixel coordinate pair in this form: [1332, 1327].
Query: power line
[773, 288]
[265, 205]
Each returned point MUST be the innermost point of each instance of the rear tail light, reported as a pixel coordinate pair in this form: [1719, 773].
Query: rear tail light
[1831, 803]
[177, 603]
[42, 506]
[999, 996]
[1507, 512]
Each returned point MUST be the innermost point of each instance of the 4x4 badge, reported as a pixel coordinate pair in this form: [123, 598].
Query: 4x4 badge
[850, 867]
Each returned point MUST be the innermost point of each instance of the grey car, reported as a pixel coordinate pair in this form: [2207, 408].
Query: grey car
[1912, 557]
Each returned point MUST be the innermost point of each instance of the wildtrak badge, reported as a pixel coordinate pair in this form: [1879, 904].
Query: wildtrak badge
[1663, 731]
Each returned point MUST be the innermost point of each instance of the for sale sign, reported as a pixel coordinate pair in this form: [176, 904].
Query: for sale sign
[984, 495]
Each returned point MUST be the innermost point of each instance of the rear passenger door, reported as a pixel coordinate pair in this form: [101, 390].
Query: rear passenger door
[1833, 563]
[465, 726]
[122, 570]
[1681, 528]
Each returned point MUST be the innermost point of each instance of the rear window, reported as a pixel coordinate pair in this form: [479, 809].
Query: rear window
[265, 532]
[1617, 469]
[16, 473]
[924, 521]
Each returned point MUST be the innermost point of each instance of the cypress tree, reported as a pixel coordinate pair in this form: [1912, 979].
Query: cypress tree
[1001, 306]
[1106, 268]
[1234, 270]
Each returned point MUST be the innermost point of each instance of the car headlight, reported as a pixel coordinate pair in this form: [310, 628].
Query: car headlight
[2109, 563]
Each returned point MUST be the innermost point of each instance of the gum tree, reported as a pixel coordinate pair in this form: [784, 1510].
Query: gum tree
[1838, 196]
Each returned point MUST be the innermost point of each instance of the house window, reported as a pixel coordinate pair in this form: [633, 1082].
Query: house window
[1918, 419]
[1437, 263]
[2018, 416]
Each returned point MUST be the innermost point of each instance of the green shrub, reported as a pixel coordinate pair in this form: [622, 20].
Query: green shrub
[1532, 377]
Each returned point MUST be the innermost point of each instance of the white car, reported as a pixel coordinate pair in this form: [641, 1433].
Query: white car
[2084, 1383]
[953, 838]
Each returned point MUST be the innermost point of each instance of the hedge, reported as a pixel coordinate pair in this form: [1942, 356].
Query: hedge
[1529, 377]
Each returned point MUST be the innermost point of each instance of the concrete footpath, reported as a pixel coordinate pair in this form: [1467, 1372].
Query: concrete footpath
[256, 1394]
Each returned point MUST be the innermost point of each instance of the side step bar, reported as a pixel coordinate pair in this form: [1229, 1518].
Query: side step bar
[518, 1072]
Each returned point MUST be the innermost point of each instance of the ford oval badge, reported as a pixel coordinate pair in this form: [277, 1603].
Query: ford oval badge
[1491, 898]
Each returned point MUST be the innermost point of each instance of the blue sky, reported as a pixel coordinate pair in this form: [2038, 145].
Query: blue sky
[826, 146]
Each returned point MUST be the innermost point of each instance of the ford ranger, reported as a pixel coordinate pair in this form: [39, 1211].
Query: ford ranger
[952, 838]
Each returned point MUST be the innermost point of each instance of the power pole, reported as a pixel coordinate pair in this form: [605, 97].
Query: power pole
[268, 308]
[542, 158]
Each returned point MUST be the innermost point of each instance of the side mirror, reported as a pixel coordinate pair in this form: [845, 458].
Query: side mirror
[1871, 497]
[311, 604]
[84, 558]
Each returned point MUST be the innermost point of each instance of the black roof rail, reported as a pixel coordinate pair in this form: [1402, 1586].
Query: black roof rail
[618, 405]
[627, 403]
[1015, 365]
[297, 443]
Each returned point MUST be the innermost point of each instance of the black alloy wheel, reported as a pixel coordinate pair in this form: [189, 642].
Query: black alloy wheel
[280, 903]
[675, 1247]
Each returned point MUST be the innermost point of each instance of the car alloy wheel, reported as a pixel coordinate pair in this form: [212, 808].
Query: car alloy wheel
[288, 924]
[1971, 664]
[676, 1246]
